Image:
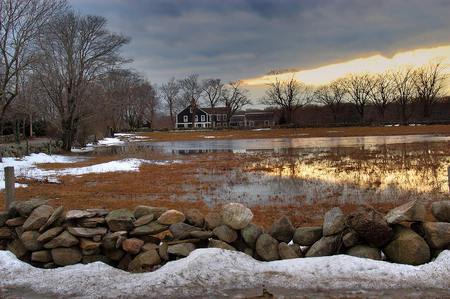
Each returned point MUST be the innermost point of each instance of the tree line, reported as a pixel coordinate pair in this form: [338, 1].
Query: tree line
[405, 87]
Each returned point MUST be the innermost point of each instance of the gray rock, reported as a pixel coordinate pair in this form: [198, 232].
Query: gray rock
[91, 222]
[282, 230]
[181, 230]
[236, 215]
[146, 219]
[109, 241]
[225, 233]
[124, 263]
[5, 233]
[132, 245]
[17, 221]
[24, 208]
[89, 245]
[436, 234]
[99, 212]
[163, 251]
[365, 252]
[152, 228]
[30, 240]
[250, 234]
[407, 247]
[289, 251]
[171, 217]
[213, 220]
[307, 236]
[350, 239]
[203, 235]
[42, 256]
[144, 261]
[140, 211]
[66, 256]
[183, 249]
[411, 211]
[56, 215]
[327, 245]
[38, 217]
[87, 232]
[50, 234]
[267, 247]
[195, 217]
[78, 214]
[333, 222]
[120, 220]
[220, 244]
[114, 254]
[441, 210]
[65, 239]
[3, 217]
[370, 226]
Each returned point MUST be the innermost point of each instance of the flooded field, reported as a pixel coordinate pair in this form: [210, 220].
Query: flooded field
[300, 177]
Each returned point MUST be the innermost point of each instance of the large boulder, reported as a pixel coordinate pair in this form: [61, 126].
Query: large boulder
[182, 249]
[171, 217]
[413, 211]
[250, 234]
[50, 234]
[292, 251]
[195, 217]
[327, 245]
[56, 215]
[436, 234]
[65, 239]
[181, 230]
[441, 210]
[333, 222]
[42, 256]
[365, 251]
[66, 256]
[120, 220]
[282, 230]
[132, 245]
[38, 217]
[351, 239]
[267, 247]
[220, 244]
[30, 240]
[370, 226]
[24, 208]
[236, 215]
[407, 247]
[151, 228]
[225, 233]
[213, 220]
[144, 261]
[307, 236]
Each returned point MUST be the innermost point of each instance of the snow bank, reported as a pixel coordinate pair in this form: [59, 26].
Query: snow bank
[218, 273]
[28, 163]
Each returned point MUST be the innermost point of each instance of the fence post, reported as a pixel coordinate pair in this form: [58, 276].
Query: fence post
[9, 186]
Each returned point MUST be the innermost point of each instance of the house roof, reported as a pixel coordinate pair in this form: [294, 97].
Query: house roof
[217, 110]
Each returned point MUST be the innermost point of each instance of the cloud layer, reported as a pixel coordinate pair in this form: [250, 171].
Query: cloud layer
[238, 39]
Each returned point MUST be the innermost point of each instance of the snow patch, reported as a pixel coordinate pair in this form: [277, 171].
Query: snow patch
[216, 272]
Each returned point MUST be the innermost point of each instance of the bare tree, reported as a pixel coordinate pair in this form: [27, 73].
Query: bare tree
[359, 88]
[191, 92]
[405, 92]
[430, 83]
[382, 94]
[212, 91]
[288, 96]
[75, 51]
[234, 98]
[170, 94]
[20, 21]
[332, 96]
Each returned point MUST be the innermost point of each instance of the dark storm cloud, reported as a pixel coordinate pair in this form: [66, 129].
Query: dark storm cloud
[237, 38]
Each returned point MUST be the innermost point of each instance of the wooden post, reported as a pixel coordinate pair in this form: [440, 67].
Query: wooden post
[9, 186]
[448, 178]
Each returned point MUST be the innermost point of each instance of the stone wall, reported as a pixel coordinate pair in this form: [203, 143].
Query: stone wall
[147, 237]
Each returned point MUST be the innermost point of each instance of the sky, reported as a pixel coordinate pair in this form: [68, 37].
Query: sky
[247, 39]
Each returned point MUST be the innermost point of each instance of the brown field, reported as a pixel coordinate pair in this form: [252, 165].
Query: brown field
[299, 132]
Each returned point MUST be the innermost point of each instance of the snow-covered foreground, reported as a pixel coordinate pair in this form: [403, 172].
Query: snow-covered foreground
[27, 167]
[219, 273]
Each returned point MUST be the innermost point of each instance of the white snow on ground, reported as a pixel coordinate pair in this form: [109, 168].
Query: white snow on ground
[216, 272]
[27, 163]
[118, 139]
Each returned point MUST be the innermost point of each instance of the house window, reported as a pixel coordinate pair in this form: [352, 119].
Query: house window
[266, 123]
[225, 125]
[218, 117]
[202, 118]
[196, 118]
[218, 124]
[251, 123]
[185, 118]
[224, 117]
